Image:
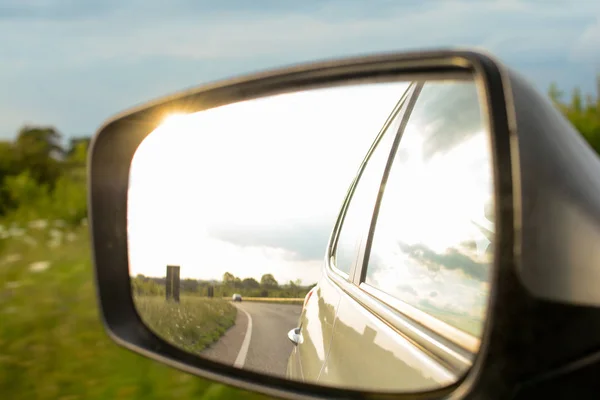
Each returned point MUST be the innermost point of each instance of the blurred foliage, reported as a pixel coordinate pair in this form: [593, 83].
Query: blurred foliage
[192, 324]
[41, 178]
[583, 110]
[52, 343]
[247, 287]
[146, 287]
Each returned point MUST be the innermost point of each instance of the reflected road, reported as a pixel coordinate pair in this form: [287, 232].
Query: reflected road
[268, 347]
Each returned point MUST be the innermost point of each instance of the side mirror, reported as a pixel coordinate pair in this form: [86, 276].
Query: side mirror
[461, 262]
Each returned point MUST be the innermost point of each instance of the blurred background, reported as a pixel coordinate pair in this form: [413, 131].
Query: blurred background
[66, 66]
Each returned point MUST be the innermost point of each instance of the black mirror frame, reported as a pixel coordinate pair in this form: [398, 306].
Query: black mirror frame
[115, 143]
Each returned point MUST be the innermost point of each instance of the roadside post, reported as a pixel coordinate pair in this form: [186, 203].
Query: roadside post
[172, 283]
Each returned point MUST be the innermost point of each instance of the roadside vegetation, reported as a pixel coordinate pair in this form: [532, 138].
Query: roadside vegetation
[192, 324]
[267, 287]
[52, 343]
[582, 108]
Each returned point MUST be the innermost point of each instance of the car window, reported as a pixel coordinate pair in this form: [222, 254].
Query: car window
[362, 201]
[431, 246]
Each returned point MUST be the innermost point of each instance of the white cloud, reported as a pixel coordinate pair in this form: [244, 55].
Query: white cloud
[80, 64]
[231, 35]
[587, 47]
[281, 163]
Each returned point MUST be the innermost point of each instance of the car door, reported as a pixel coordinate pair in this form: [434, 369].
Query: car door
[411, 316]
[318, 315]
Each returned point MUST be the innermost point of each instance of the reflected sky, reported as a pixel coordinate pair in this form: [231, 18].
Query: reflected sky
[254, 187]
[428, 248]
[363, 197]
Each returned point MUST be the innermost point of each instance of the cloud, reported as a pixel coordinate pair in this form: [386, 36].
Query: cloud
[82, 62]
[303, 242]
[408, 289]
[436, 110]
[587, 46]
[451, 260]
[232, 31]
[61, 10]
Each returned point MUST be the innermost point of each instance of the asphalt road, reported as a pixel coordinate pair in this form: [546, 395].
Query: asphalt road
[258, 340]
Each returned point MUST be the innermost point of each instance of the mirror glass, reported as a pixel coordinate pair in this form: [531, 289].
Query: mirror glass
[253, 239]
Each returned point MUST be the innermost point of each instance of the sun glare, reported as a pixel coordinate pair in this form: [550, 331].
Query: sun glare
[279, 161]
[175, 121]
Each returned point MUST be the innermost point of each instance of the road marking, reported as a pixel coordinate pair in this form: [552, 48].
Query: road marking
[241, 357]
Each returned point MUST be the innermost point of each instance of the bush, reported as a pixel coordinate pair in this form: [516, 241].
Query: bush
[192, 324]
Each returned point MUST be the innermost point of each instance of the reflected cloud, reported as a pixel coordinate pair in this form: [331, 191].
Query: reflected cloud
[250, 188]
[433, 231]
[452, 260]
[302, 243]
[440, 114]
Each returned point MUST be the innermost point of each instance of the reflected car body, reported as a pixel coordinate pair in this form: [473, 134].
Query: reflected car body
[377, 317]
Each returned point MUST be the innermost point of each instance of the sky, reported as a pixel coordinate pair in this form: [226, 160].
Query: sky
[254, 187]
[73, 63]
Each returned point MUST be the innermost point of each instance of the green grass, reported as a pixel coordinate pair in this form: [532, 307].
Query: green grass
[192, 324]
[52, 344]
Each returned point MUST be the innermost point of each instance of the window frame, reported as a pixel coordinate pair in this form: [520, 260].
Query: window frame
[441, 341]
[331, 268]
[463, 339]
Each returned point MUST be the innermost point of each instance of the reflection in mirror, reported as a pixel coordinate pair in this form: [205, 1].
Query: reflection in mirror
[230, 211]
[432, 218]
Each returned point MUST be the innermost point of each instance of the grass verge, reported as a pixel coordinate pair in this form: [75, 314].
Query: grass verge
[192, 324]
[52, 343]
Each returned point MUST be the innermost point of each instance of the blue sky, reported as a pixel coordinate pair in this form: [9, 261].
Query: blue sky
[73, 64]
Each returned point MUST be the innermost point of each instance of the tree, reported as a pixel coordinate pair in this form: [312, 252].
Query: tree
[189, 285]
[576, 101]
[268, 281]
[228, 279]
[40, 140]
[598, 94]
[38, 150]
[294, 287]
[38, 179]
[69, 199]
[583, 114]
[250, 283]
[24, 190]
[8, 167]
[78, 148]
[75, 160]
[554, 93]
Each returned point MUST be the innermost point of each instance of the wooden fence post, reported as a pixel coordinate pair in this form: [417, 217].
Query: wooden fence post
[172, 283]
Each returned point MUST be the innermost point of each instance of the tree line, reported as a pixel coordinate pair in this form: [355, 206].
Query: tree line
[230, 284]
[42, 178]
[582, 109]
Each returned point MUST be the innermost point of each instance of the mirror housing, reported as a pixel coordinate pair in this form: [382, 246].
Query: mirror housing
[547, 223]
